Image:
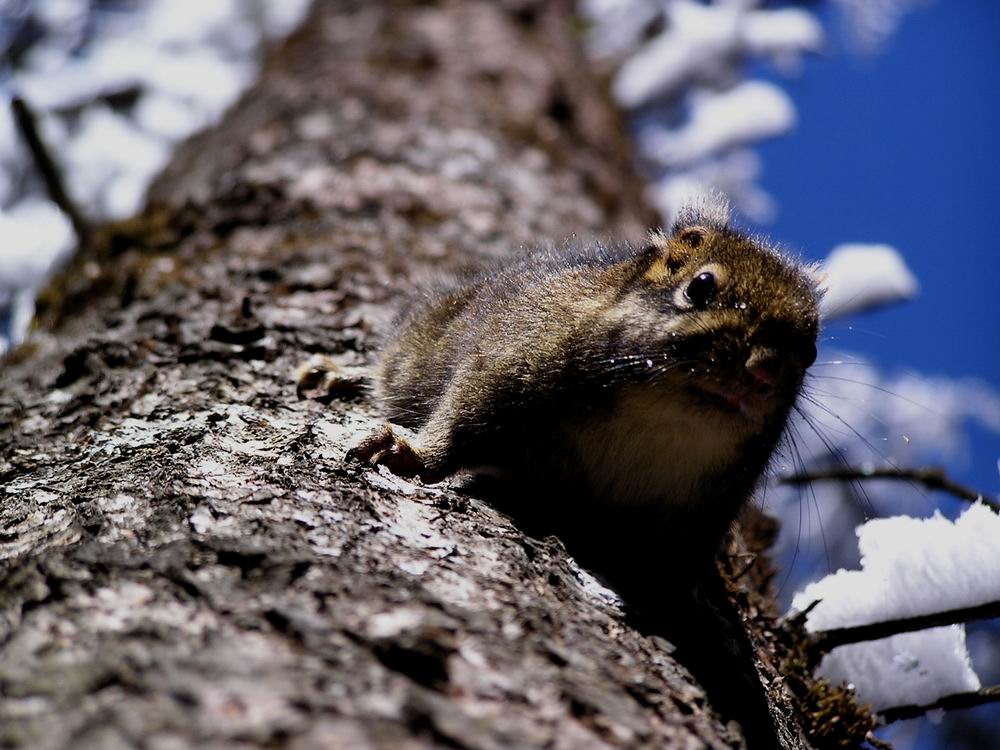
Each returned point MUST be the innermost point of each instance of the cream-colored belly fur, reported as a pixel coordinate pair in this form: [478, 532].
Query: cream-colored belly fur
[653, 450]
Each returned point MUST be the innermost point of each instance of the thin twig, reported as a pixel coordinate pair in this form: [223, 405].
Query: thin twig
[825, 641]
[932, 478]
[875, 742]
[27, 126]
[947, 703]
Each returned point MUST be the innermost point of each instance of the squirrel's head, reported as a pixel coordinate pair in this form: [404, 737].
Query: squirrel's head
[734, 320]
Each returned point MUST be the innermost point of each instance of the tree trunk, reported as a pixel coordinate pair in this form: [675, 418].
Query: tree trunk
[188, 561]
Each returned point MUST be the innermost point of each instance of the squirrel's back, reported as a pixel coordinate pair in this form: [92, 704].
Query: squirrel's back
[451, 323]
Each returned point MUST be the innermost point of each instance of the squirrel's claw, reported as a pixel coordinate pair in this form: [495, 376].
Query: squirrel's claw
[385, 448]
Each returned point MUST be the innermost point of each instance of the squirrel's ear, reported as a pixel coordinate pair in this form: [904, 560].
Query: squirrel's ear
[691, 236]
[667, 253]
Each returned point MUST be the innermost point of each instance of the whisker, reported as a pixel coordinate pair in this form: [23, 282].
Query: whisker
[811, 390]
[839, 455]
[914, 485]
[795, 553]
[820, 405]
[819, 513]
[866, 331]
[881, 390]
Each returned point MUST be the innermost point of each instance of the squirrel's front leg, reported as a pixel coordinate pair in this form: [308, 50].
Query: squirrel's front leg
[453, 437]
[407, 458]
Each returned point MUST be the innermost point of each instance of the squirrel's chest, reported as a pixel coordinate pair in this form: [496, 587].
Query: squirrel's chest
[651, 450]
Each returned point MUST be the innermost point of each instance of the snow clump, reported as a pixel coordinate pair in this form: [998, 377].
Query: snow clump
[909, 566]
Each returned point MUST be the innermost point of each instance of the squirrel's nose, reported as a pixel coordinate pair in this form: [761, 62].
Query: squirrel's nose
[764, 366]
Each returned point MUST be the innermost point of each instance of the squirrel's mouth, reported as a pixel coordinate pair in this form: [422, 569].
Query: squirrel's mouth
[751, 403]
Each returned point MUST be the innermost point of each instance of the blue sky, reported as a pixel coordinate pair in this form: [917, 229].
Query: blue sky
[904, 148]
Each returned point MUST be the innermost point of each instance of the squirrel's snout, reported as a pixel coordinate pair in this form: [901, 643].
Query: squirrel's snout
[765, 369]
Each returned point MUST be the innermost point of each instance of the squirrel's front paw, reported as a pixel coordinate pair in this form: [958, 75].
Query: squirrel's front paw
[386, 448]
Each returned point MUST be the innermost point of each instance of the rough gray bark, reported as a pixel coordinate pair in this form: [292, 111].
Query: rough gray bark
[187, 560]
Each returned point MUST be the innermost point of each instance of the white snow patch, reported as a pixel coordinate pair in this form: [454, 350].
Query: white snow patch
[283, 17]
[909, 566]
[872, 22]
[781, 34]
[186, 62]
[908, 669]
[861, 276]
[733, 174]
[690, 73]
[618, 24]
[869, 419]
[749, 111]
[701, 42]
[35, 236]
[169, 117]
[696, 40]
[592, 587]
[107, 152]
[912, 566]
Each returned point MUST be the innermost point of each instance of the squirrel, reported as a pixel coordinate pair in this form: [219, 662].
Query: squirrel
[648, 382]
[632, 396]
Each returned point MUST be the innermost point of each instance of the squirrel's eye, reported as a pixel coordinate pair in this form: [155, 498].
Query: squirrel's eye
[702, 289]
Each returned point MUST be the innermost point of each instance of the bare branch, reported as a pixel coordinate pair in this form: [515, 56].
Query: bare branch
[875, 742]
[931, 478]
[27, 126]
[948, 703]
[827, 640]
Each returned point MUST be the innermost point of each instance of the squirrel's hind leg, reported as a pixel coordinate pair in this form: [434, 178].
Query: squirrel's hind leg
[322, 379]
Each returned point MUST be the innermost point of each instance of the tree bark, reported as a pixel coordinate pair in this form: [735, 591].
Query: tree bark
[187, 559]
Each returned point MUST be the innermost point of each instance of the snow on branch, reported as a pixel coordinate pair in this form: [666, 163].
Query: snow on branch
[681, 63]
[698, 41]
[749, 111]
[858, 277]
[910, 567]
[107, 96]
[826, 640]
[871, 22]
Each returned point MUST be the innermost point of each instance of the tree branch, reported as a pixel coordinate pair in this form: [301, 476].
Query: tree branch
[947, 703]
[55, 186]
[931, 478]
[825, 641]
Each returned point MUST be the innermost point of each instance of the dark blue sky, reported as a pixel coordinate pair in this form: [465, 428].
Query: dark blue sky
[904, 148]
